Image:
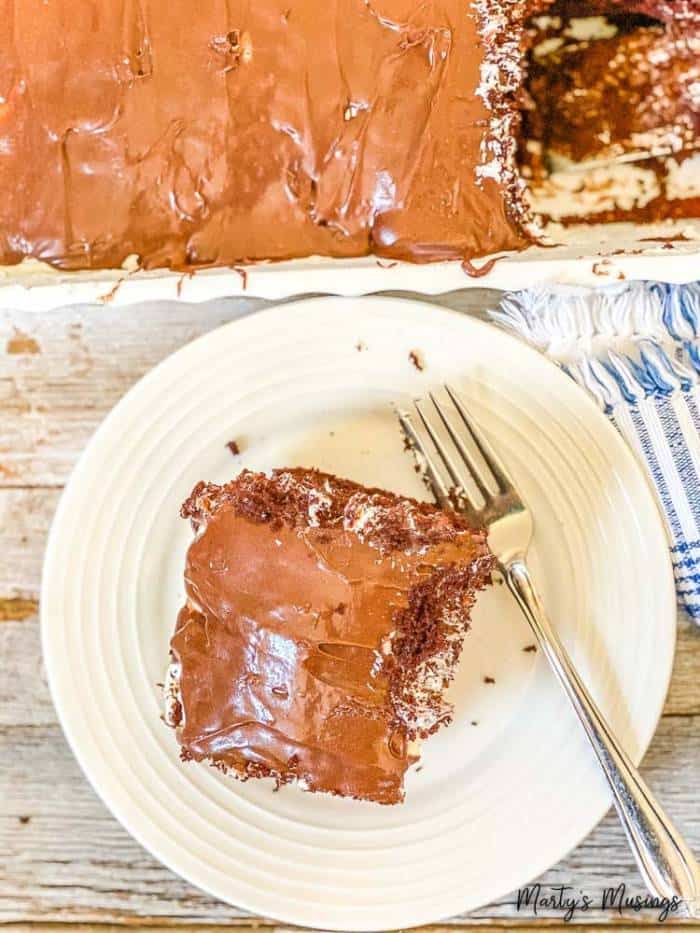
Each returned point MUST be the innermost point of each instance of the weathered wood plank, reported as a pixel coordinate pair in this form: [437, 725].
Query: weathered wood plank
[684, 692]
[24, 692]
[15, 609]
[25, 518]
[156, 925]
[81, 362]
[62, 856]
[61, 373]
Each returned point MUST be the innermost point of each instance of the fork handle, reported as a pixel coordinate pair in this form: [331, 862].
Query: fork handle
[664, 859]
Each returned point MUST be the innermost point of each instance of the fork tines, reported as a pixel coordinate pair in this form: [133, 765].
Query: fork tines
[463, 470]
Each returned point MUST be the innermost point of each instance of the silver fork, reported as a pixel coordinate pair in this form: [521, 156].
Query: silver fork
[465, 474]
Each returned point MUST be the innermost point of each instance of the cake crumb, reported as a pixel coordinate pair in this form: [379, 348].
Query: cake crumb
[234, 447]
[24, 820]
[474, 722]
[417, 359]
[606, 267]
[530, 648]
[489, 680]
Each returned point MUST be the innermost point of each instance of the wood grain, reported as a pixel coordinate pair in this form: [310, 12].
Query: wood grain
[157, 925]
[63, 858]
[12, 610]
[84, 360]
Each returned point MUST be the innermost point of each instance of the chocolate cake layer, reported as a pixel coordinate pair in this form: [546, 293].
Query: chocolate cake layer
[616, 86]
[322, 625]
[633, 91]
[242, 131]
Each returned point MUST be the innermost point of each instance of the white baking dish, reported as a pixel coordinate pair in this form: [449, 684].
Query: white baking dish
[587, 255]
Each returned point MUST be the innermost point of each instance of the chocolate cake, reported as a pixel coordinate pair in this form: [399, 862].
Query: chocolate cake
[247, 131]
[146, 134]
[322, 625]
[599, 99]
[621, 85]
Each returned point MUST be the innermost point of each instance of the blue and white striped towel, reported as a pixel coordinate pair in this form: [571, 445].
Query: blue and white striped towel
[636, 349]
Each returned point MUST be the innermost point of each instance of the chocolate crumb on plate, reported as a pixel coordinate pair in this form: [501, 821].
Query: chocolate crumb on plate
[417, 359]
[234, 447]
[489, 680]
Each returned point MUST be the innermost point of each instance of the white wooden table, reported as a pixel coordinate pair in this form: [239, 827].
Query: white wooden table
[63, 858]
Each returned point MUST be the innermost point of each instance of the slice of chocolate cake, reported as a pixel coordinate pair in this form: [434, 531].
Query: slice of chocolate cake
[323, 623]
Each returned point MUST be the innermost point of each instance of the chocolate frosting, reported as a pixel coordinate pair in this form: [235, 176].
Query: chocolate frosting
[278, 129]
[297, 651]
[242, 131]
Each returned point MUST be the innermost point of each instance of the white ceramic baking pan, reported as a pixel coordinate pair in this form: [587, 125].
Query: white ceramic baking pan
[586, 255]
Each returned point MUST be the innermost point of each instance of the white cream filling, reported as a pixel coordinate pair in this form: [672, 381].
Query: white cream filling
[171, 694]
[683, 178]
[567, 194]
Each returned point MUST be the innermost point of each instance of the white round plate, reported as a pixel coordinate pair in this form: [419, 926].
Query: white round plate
[511, 786]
